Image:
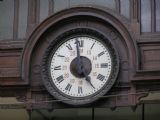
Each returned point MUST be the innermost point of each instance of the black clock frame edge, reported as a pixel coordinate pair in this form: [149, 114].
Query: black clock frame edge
[79, 101]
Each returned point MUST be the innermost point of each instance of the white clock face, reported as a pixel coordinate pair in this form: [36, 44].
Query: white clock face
[80, 66]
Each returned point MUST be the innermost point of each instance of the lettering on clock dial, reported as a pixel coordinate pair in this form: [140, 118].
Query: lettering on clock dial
[89, 52]
[60, 55]
[100, 54]
[80, 43]
[104, 65]
[100, 77]
[57, 68]
[80, 90]
[60, 79]
[92, 45]
[69, 47]
[66, 59]
[68, 87]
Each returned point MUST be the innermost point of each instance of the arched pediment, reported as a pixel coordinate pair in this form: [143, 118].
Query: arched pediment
[107, 16]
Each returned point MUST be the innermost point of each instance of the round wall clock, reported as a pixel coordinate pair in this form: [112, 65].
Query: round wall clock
[80, 66]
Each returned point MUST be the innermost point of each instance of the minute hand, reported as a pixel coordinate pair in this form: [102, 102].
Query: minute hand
[79, 63]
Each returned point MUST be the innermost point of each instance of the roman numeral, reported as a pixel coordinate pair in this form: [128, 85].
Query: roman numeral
[68, 87]
[60, 78]
[104, 65]
[80, 90]
[60, 56]
[80, 43]
[69, 47]
[92, 45]
[57, 68]
[100, 77]
[100, 54]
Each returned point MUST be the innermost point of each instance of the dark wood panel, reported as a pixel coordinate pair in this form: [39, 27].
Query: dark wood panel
[150, 57]
[9, 72]
[11, 45]
[9, 61]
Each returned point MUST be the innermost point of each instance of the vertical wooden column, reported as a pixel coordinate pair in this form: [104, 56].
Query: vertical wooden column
[135, 16]
[117, 5]
[51, 7]
[16, 19]
[153, 16]
[33, 15]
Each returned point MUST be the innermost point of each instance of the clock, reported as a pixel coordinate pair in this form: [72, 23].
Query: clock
[80, 66]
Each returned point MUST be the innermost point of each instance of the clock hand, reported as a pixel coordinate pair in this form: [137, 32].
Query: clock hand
[79, 63]
[88, 78]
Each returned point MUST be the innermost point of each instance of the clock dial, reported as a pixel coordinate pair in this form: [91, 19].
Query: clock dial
[80, 66]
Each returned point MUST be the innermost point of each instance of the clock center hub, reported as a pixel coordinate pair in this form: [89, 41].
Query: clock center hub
[86, 66]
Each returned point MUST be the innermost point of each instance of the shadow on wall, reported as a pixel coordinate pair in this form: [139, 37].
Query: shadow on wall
[72, 114]
[151, 112]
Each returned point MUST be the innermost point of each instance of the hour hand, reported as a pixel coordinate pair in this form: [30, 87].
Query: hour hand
[88, 78]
